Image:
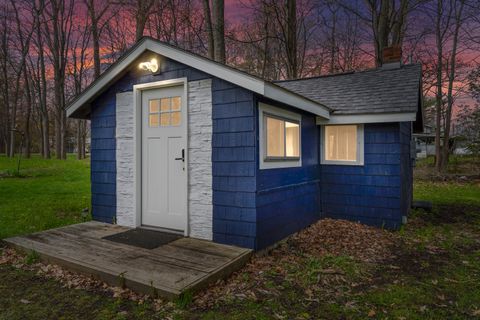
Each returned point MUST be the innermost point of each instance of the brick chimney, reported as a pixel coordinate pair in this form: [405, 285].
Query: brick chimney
[392, 57]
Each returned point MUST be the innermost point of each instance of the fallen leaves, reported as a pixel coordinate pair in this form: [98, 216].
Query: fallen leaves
[341, 237]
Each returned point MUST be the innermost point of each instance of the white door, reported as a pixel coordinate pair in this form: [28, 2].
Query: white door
[164, 171]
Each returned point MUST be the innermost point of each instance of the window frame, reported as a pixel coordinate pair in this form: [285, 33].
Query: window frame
[360, 147]
[266, 162]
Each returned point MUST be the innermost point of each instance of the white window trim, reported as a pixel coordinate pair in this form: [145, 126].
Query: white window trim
[360, 149]
[284, 114]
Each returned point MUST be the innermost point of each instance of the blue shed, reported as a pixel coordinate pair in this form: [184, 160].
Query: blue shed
[183, 144]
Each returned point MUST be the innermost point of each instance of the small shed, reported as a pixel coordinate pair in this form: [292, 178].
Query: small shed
[183, 144]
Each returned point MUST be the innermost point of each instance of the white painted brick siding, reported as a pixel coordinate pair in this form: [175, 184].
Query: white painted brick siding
[200, 159]
[125, 159]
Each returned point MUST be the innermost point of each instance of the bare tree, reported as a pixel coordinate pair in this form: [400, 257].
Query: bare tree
[458, 20]
[219, 29]
[77, 70]
[5, 77]
[57, 32]
[209, 29]
[38, 9]
[96, 27]
[142, 12]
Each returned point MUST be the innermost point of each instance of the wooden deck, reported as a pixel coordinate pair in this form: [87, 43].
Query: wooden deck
[168, 270]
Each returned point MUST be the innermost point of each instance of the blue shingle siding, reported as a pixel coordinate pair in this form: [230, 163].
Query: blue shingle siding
[371, 193]
[234, 165]
[288, 199]
[103, 164]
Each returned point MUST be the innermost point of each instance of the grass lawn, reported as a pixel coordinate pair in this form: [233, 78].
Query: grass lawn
[47, 194]
[431, 268]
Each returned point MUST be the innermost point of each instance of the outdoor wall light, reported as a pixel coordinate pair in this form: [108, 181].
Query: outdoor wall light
[151, 65]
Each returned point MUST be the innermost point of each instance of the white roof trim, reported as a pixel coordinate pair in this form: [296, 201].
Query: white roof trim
[239, 78]
[368, 118]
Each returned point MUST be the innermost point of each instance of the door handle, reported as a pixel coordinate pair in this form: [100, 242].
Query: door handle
[183, 156]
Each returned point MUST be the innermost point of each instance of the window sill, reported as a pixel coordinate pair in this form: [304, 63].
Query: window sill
[341, 163]
[290, 159]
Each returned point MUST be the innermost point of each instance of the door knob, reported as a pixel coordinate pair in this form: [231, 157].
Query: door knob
[183, 156]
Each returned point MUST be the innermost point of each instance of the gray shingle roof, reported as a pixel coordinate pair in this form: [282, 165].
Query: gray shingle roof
[374, 91]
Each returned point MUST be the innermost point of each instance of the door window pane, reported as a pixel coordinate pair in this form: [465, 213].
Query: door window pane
[165, 119]
[175, 118]
[176, 103]
[154, 106]
[165, 104]
[153, 120]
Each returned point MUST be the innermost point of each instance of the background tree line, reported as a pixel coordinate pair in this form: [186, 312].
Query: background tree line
[50, 50]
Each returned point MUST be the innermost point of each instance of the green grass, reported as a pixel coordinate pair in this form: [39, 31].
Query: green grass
[451, 193]
[49, 194]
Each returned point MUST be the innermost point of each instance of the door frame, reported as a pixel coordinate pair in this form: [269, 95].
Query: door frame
[137, 141]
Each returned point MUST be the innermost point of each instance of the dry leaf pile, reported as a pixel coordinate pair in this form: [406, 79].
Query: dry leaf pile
[341, 237]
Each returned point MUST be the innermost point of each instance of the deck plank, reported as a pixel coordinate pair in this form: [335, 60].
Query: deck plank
[169, 270]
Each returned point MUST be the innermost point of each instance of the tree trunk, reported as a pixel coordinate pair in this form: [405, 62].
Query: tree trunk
[28, 97]
[208, 27]
[142, 13]
[219, 30]
[96, 49]
[42, 83]
[438, 95]
[451, 79]
[291, 39]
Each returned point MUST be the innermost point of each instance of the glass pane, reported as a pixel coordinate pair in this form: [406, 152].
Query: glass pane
[165, 104]
[275, 137]
[154, 106]
[341, 143]
[176, 118]
[165, 119]
[176, 103]
[292, 139]
[153, 120]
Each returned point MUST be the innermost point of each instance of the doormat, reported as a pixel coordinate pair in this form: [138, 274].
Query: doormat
[143, 238]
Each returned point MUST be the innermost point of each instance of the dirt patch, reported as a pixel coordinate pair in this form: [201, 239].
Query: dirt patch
[68, 279]
[448, 214]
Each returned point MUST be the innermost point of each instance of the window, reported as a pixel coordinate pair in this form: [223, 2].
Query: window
[283, 138]
[280, 138]
[342, 144]
[165, 112]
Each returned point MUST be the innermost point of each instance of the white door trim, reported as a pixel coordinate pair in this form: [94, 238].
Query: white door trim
[137, 138]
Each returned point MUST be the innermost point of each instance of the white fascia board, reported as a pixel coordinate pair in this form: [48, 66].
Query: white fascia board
[277, 93]
[217, 70]
[368, 118]
[105, 80]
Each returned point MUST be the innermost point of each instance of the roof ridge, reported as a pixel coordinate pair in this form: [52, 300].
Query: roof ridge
[347, 73]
